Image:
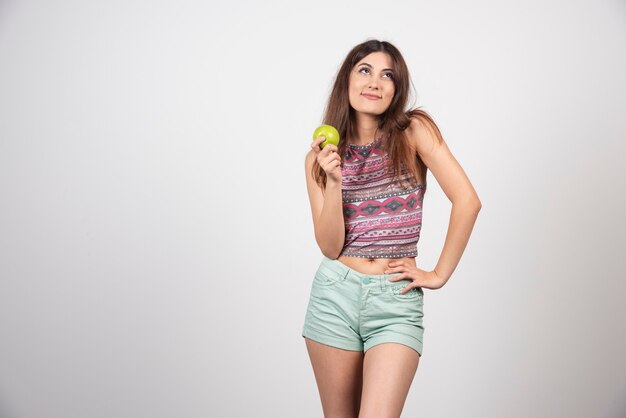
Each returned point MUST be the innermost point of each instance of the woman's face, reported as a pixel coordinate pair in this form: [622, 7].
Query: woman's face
[371, 84]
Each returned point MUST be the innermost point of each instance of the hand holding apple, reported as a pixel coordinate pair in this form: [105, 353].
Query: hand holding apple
[328, 158]
[329, 132]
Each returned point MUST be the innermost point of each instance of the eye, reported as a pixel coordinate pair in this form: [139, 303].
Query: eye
[367, 69]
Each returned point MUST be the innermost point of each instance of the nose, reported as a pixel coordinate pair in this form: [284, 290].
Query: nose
[373, 85]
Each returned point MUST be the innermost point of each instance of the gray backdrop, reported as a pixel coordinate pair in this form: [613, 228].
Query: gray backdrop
[156, 240]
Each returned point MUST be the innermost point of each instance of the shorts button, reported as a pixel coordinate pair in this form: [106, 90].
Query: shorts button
[366, 280]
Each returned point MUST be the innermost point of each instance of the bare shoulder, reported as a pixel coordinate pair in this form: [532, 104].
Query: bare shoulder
[425, 137]
[427, 140]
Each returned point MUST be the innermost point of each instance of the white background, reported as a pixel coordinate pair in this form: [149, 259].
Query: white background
[156, 240]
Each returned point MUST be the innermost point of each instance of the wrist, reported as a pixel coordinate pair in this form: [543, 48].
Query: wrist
[441, 280]
[333, 184]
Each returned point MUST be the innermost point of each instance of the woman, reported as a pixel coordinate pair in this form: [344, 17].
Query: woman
[364, 322]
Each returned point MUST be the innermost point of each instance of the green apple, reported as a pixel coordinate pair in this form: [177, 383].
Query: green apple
[329, 132]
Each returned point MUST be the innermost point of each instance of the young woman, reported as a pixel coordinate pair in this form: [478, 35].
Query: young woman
[364, 322]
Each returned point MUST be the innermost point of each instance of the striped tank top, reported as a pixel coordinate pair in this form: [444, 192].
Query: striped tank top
[382, 218]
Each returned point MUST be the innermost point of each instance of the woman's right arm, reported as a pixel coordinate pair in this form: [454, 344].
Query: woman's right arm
[326, 206]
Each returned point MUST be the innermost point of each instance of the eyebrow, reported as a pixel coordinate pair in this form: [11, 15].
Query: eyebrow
[384, 69]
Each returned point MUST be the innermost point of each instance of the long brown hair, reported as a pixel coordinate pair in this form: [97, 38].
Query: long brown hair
[392, 123]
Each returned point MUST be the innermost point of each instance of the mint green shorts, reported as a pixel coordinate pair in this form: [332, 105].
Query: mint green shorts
[355, 311]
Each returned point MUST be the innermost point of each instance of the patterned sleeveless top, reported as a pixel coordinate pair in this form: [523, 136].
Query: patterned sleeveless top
[382, 218]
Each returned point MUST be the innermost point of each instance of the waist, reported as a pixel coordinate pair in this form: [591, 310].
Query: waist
[372, 265]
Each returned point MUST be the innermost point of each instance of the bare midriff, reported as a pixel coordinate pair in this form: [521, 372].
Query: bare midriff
[372, 265]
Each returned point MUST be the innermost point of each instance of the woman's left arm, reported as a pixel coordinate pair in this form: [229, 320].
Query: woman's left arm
[434, 152]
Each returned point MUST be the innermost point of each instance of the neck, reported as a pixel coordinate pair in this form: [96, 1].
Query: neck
[367, 130]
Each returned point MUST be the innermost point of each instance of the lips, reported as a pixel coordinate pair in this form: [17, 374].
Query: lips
[371, 96]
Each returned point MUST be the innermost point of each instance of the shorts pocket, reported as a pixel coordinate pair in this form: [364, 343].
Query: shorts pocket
[415, 294]
[326, 277]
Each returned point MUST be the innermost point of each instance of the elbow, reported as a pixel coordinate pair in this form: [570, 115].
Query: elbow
[330, 245]
[477, 206]
[331, 251]
[471, 205]
[332, 255]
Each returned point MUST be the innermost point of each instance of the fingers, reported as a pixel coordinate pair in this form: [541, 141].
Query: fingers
[400, 267]
[396, 278]
[406, 289]
[412, 285]
[330, 165]
[395, 266]
[327, 157]
[328, 148]
[316, 144]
